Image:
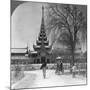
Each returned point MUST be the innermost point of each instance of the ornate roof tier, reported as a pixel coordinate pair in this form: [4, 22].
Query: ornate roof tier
[42, 44]
[38, 42]
[42, 35]
[46, 43]
[36, 48]
[42, 38]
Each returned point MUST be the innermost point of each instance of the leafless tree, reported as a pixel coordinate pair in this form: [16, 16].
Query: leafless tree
[66, 22]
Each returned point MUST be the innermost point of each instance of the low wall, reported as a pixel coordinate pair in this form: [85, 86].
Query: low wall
[50, 66]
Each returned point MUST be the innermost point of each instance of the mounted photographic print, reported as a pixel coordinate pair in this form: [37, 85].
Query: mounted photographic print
[48, 45]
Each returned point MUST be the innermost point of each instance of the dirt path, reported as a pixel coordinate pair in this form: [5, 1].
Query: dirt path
[35, 79]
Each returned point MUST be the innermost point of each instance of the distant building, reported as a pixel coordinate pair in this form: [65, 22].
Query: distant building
[20, 56]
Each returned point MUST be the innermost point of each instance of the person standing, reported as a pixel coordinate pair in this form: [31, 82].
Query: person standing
[43, 67]
[61, 67]
[74, 71]
[58, 67]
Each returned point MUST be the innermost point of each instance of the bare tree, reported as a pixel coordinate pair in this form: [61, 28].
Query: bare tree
[68, 20]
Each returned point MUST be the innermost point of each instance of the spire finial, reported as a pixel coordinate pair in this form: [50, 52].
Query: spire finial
[42, 11]
[27, 46]
[42, 21]
[42, 7]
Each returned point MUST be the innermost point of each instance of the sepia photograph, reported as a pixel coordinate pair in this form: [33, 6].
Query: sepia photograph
[48, 45]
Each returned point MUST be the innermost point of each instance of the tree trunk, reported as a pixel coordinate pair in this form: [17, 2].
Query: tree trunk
[72, 59]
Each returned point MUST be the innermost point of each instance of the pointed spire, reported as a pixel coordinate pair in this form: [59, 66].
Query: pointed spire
[42, 22]
[42, 11]
[27, 47]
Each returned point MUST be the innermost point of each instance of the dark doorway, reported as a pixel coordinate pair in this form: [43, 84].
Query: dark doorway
[38, 61]
[43, 59]
[48, 61]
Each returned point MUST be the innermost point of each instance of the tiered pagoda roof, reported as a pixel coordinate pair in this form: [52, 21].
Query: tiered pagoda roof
[42, 43]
